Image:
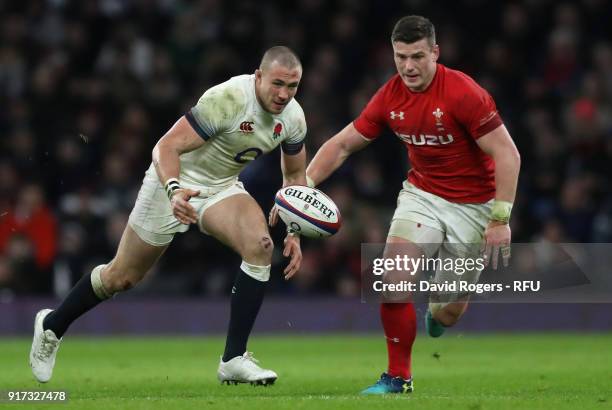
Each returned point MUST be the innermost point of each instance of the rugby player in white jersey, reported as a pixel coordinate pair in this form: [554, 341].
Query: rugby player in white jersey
[193, 179]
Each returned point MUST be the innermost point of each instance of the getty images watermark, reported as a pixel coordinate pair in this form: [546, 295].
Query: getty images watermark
[456, 267]
[536, 272]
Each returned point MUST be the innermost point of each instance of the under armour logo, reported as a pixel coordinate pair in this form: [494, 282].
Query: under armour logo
[399, 115]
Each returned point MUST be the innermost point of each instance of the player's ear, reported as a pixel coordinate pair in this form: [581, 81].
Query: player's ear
[436, 52]
[258, 74]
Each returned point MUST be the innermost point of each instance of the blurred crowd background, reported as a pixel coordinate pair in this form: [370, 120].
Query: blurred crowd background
[87, 88]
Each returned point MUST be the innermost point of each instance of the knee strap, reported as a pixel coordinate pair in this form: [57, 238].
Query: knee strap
[260, 273]
[96, 283]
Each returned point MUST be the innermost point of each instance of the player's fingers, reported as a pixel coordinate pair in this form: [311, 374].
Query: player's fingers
[181, 218]
[293, 266]
[294, 262]
[186, 211]
[288, 250]
[288, 271]
[495, 256]
[180, 204]
[190, 212]
[188, 216]
[292, 272]
[273, 217]
[486, 254]
[184, 217]
[506, 252]
[177, 213]
[191, 193]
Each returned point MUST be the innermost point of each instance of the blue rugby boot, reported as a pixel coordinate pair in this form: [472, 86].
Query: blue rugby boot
[387, 384]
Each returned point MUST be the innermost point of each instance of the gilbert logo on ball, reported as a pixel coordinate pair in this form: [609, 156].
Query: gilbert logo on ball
[308, 211]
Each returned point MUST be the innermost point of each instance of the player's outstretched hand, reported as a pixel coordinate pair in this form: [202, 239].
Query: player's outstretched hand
[273, 217]
[181, 208]
[497, 237]
[293, 251]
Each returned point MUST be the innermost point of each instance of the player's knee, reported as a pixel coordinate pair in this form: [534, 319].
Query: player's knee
[120, 280]
[395, 288]
[267, 245]
[124, 284]
[260, 250]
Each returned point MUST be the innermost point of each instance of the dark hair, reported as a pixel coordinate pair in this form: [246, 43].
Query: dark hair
[282, 55]
[414, 28]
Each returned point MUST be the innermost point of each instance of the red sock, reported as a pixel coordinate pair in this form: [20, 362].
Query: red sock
[399, 322]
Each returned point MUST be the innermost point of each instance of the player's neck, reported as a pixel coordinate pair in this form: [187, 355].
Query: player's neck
[259, 102]
[256, 91]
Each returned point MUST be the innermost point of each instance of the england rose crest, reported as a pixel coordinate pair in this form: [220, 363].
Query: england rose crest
[278, 128]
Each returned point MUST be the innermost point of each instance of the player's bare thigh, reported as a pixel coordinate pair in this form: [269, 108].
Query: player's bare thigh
[448, 309]
[238, 222]
[466, 224]
[134, 258]
[394, 247]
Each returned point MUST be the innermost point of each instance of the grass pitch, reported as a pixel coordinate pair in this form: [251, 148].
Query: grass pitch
[552, 371]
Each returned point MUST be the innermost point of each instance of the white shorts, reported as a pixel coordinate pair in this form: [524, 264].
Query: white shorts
[444, 229]
[152, 218]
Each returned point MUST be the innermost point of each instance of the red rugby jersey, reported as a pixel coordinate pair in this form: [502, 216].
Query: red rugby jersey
[439, 127]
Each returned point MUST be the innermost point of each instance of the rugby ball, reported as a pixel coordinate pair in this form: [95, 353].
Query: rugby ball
[308, 211]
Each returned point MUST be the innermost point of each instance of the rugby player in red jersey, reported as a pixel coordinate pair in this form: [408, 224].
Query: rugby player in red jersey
[457, 198]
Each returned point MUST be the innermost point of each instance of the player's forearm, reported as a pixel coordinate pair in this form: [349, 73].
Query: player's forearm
[294, 168]
[507, 166]
[294, 178]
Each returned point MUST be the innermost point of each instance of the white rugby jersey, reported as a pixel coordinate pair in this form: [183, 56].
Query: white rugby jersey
[237, 130]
